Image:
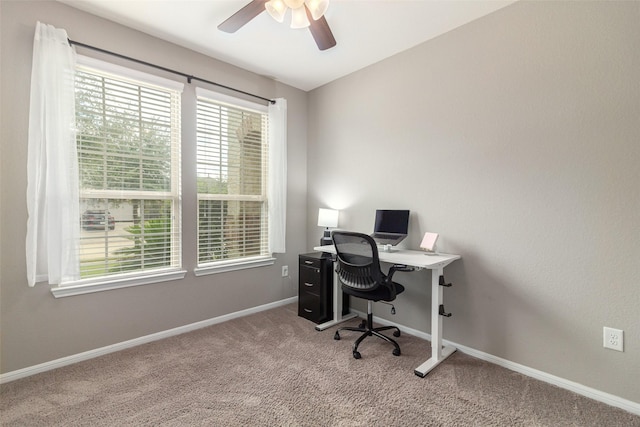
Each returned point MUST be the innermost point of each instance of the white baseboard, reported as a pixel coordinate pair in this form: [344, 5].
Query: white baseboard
[600, 396]
[69, 360]
[583, 390]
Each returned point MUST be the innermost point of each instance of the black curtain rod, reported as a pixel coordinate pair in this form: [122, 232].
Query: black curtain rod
[187, 76]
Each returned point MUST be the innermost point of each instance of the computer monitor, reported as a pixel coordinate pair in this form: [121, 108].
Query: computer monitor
[391, 226]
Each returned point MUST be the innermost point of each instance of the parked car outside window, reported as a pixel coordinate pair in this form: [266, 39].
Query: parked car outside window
[96, 219]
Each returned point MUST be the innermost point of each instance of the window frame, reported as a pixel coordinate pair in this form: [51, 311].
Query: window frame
[139, 277]
[233, 264]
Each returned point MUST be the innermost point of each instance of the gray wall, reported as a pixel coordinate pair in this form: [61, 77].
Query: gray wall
[517, 138]
[37, 328]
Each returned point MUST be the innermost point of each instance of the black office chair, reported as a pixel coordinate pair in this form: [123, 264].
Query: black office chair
[358, 268]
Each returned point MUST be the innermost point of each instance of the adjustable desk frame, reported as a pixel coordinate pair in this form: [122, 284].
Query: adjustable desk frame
[419, 260]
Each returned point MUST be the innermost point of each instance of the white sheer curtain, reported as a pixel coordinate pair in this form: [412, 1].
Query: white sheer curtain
[277, 191]
[52, 167]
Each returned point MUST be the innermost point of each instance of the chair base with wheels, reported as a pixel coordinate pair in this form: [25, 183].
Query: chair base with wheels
[367, 329]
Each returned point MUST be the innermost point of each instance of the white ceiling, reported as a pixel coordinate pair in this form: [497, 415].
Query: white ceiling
[366, 32]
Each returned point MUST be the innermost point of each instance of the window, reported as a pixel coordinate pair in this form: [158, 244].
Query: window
[232, 157]
[104, 180]
[128, 141]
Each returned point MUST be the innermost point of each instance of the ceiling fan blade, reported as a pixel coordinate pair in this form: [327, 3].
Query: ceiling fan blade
[241, 17]
[321, 32]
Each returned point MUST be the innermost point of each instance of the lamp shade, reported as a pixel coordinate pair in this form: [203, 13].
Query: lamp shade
[276, 8]
[299, 18]
[327, 218]
[317, 7]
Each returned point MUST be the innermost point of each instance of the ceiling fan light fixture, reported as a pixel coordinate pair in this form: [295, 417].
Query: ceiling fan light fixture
[277, 9]
[299, 18]
[302, 16]
[317, 8]
[294, 4]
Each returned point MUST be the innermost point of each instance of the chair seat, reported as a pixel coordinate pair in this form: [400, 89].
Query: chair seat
[381, 293]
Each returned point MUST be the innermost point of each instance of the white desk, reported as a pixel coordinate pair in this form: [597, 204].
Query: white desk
[419, 260]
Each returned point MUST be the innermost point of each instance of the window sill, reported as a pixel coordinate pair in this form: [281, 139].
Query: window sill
[107, 284]
[225, 266]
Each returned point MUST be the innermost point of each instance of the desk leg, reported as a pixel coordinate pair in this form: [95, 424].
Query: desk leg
[337, 307]
[438, 353]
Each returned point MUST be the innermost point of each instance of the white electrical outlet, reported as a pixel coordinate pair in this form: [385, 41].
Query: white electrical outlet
[285, 271]
[613, 339]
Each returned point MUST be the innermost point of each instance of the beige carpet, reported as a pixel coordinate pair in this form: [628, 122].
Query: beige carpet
[274, 369]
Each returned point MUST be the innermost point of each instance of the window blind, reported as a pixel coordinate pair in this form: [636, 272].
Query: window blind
[231, 176]
[128, 141]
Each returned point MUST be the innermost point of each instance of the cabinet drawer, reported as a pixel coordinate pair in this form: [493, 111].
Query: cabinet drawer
[311, 307]
[310, 262]
[310, 280]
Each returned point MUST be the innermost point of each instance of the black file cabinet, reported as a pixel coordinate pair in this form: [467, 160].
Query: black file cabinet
[315, 288]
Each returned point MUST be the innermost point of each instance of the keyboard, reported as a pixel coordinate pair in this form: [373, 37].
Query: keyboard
[385, 236]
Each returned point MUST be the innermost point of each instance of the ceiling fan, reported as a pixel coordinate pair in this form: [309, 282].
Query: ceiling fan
[302, 16]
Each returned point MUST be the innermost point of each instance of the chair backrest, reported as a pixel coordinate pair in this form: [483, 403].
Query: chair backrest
[358, 261]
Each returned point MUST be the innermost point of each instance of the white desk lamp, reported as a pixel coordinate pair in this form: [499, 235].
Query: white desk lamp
[327, 218]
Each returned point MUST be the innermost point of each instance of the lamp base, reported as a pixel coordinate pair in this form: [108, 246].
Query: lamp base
[326, 238]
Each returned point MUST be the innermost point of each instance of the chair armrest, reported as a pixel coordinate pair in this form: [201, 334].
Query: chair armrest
[389, 279]
[398, 267]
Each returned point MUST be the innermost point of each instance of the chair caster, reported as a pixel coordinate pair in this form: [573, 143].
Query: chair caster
[396, 334]
[362, 325]
[357, 355]
[396, 352]
[336, 336]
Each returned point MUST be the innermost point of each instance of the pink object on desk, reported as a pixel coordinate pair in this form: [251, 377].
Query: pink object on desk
[429, 241]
